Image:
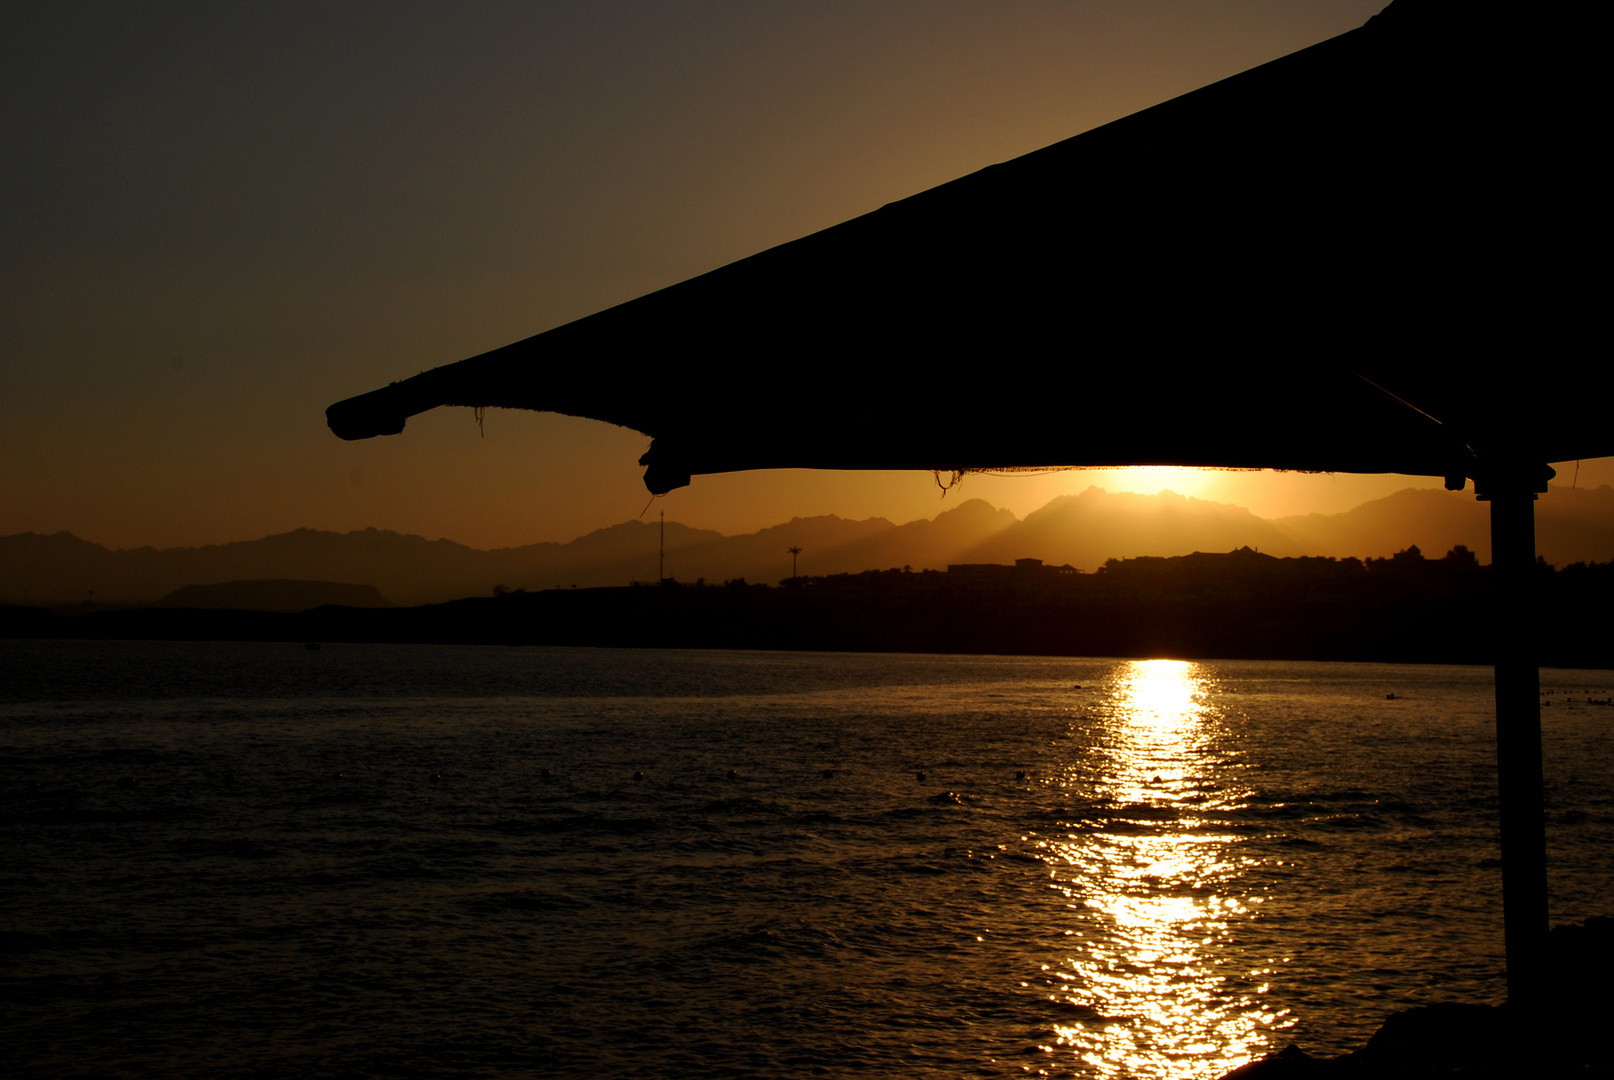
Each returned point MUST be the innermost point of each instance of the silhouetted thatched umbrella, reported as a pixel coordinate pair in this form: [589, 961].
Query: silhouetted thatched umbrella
[1358, 258]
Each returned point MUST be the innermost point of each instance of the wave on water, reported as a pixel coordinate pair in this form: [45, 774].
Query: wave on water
[243, 860]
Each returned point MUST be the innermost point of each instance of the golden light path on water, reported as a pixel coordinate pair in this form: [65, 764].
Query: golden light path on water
[1148, 876]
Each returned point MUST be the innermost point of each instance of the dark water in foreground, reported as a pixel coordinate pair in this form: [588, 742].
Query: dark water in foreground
[1204, 861]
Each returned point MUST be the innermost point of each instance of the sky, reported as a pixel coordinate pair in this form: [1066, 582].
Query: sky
[215, 220]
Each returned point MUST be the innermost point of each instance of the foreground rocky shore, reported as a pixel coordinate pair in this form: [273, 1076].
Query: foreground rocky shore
[1484, 1041]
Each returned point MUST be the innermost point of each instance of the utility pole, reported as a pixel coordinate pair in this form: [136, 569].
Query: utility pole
[661, 557]
[794, 551]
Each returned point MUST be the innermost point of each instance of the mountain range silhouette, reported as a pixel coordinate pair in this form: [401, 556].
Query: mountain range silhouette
[1082, 530]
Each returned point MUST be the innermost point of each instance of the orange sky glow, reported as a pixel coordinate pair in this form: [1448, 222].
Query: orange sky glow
[220, 222]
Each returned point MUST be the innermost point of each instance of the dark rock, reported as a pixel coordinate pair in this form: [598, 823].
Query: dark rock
[1448, 1035]
[1478, 1042]
[1288, 1063]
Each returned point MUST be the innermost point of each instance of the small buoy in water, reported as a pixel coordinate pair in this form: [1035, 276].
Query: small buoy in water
[733, 775]
[1389, 697]
[1157, 779]
[638, 776]
[336, 776]
[921, 775]
[545, 773]
[229, 779]
[828, 774]
[126, 781]
[1077, 686]
[1020, 775]
[436, 776]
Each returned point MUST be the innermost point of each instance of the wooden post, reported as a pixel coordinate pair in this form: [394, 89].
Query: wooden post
[1512, 495]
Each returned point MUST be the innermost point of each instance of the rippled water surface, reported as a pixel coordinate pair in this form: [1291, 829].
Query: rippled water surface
[248, 859]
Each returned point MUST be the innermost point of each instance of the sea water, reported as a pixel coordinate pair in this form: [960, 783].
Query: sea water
[260, 859]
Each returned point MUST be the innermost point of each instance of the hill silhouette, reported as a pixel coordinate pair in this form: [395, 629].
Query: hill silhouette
[1087, 529]
[1083, 530]
[274, 595]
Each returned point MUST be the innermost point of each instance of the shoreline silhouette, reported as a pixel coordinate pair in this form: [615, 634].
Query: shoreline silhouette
[1233, 605]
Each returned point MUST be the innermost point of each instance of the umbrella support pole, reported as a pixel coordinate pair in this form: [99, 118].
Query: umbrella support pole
[1518, 740]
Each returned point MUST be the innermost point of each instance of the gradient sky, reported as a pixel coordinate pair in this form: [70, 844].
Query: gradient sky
[218, 219]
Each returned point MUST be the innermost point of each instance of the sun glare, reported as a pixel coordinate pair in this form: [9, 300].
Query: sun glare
[1151, 480]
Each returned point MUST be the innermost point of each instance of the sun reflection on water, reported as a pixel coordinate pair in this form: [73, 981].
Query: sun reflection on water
[1151, 875]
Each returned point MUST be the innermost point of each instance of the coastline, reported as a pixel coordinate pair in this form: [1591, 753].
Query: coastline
[897, 612]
